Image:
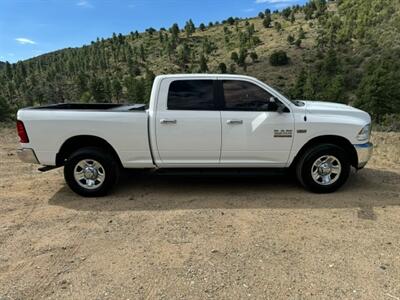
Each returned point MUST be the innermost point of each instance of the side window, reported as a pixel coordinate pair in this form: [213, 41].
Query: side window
[246, 96]
[191, 95]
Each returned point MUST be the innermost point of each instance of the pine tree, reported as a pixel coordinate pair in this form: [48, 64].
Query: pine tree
[116, 89]
[174, 32]
[290, 39]
[302, 34]
[292, 18]
[5, 110]
[183, 55]
[286, 12]
[298, 90]
[96, 86]
[267, 21]
[142, 53]
[230, 21]
[235, 57]
[222, 68]
[189, 28]
[232, 69]
[203, 64]
[278, 26]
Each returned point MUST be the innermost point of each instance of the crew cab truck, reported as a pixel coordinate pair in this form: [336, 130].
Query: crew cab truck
[198, 121]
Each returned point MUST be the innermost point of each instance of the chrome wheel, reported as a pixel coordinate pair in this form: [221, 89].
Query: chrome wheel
[326, 170]
[89, 174]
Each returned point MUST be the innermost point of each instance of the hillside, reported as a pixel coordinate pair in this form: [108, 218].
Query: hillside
[330, 52]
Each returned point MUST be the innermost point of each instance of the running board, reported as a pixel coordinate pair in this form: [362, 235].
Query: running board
[47, 168]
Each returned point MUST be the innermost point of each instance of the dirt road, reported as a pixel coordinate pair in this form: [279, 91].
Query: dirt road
[199, 238]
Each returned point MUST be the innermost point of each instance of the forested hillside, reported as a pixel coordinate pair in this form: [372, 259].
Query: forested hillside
[347, 51]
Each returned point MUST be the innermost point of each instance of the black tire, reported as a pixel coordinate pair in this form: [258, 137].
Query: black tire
[109, 167]
[305, 166]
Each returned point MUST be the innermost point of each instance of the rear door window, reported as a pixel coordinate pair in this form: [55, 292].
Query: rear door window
[191, 95]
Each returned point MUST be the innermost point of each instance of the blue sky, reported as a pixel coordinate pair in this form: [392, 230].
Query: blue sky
[32, 27]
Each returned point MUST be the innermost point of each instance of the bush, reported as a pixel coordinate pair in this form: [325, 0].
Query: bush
[253, 56]
[390, 122]
[230, 21]
[290, 39]
[222, 68]
[279, 58]
[267, 21]
[235, 57]
[5, 110]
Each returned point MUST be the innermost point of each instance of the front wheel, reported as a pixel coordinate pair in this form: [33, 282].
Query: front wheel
[91, 172]
[323, 168]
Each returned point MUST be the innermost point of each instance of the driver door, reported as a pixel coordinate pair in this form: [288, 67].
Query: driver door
[254, 133]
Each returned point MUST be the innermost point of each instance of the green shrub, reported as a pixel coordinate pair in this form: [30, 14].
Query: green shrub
[279, 58]
[5, 110]
[390, 122]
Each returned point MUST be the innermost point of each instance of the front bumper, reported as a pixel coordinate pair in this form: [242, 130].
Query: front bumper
[364, 153]
[27, 155]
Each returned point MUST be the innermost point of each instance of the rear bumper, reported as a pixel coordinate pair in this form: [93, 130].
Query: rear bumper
[27, 155]
[364, 153]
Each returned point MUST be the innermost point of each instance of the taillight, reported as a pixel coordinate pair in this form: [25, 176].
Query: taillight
[23, 136]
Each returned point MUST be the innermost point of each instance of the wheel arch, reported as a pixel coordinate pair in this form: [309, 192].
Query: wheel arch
[329, 139]
[81, 141]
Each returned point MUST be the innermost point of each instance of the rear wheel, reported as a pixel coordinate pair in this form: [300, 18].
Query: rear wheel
[91, 172]
[323, 168]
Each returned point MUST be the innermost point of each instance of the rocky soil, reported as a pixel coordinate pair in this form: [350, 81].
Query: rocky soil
[191, 237]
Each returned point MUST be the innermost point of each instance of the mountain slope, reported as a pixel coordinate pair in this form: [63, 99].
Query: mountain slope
[121, 68]
[333, 52]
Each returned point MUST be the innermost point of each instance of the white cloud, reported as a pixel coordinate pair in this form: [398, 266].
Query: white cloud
[248, 10]
[275, 1]
[25, 41]
[84, 3]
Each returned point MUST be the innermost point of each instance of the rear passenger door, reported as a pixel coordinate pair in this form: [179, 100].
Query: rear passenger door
[254, 133]
[188, 123]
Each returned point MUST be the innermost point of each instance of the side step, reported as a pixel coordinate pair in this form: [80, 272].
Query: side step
[251, 172]
[47, 168]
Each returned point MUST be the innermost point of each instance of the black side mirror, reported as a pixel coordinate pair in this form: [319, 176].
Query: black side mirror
[277, 105]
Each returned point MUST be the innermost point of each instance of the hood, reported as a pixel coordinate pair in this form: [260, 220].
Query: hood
[338, 109]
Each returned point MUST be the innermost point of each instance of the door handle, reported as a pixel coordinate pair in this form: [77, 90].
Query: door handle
[167, 121]
[235, 122]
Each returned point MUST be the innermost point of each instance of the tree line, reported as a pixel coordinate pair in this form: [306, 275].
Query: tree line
[354, 60]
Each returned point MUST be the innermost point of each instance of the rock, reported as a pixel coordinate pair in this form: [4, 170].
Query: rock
[63, 284]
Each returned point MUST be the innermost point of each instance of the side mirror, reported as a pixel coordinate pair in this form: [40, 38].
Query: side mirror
[280, 107]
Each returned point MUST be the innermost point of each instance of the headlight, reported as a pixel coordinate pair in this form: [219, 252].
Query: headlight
[364, 133]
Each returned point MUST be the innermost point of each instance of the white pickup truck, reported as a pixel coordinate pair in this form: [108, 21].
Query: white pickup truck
[198, 121]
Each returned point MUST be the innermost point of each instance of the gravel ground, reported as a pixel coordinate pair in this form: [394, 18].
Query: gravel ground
[165, 237]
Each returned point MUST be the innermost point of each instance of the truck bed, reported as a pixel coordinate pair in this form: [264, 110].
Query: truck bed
[93, 106]
[125, 127]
